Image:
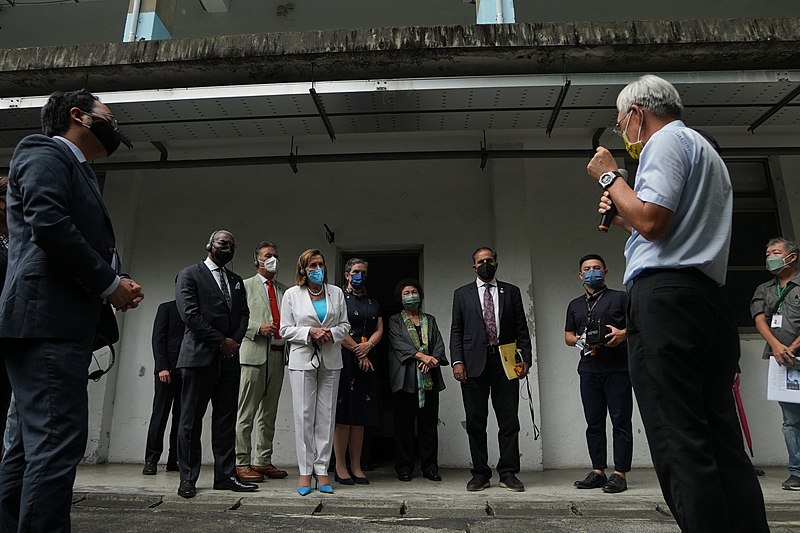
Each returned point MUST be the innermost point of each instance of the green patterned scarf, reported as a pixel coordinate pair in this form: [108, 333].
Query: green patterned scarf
[424, 380]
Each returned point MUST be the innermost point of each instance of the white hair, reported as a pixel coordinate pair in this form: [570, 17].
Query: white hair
[651, 92]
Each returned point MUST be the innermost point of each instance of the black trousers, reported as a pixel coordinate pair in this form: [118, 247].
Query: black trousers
[218, 384]
[166, 397]
[683, 349]
[610, 392]
[49, 379]
[406, 411]
[505, 401]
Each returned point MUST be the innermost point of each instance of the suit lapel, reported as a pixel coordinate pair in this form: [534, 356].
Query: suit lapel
[501, 298]
[476, 299]
[91, 179]
[209, 277]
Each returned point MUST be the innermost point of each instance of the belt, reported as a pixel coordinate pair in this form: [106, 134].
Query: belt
[692, 271]
[492, 350]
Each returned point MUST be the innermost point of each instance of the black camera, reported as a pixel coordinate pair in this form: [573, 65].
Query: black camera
[596, 333]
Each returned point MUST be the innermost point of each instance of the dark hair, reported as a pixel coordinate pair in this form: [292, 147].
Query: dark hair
[587, 257]
[55, 113]
[408, 282]
[494, 254]
[260, 246]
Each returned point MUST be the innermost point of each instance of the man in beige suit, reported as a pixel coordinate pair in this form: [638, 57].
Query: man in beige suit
[262, 361]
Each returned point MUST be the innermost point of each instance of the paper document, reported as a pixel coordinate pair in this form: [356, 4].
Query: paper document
[783, 383]
[510, 358]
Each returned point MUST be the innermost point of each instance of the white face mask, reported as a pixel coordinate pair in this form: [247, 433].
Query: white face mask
[271, 265]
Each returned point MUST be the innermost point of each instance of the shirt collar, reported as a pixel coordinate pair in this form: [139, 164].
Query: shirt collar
[75, 150]
[212, 266]
[596, 295]
[480, 283]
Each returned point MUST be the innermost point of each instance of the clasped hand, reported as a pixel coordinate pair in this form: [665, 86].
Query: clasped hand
[127, 295]
[321, 336]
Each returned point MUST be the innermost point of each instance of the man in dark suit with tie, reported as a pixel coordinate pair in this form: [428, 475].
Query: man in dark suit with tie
[212, 303]
[486, 314]
[168, 331]
[62, 265]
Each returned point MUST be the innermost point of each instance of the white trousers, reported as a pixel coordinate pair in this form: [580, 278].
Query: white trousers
[314, 395]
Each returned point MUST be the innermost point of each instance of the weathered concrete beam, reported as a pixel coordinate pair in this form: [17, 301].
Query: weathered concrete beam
[626, 46]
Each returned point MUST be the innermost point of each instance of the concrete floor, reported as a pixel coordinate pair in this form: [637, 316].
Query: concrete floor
[117, 497]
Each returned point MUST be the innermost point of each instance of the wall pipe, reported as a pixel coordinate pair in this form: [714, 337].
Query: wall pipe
[137, 7]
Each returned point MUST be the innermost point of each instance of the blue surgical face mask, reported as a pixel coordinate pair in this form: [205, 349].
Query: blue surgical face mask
[358, 279]
[594, 279]
[317, 276]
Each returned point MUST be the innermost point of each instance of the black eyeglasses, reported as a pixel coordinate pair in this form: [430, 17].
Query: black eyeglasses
[618, 129]
[108, 118]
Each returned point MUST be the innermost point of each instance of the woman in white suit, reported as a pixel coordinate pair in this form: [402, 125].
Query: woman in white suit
[314, 322]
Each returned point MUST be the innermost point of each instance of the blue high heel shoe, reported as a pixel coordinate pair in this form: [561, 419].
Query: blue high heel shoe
[304, 491]
[325, 489]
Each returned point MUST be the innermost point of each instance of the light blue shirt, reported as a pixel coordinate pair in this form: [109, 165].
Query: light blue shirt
[681, 171]
[321, 307]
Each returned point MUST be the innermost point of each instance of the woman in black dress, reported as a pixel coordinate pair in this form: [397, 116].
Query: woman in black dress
[415, 372]
[357, 404]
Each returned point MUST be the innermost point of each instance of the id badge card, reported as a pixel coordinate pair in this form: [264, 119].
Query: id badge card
[777, 321]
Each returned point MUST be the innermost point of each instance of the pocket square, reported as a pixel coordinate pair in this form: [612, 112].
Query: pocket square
[238, 286]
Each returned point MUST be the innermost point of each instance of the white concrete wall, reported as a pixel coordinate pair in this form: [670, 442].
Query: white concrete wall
[434, 205]
[541, 215]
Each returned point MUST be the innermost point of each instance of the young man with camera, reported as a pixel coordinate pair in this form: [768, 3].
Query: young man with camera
[596, 326]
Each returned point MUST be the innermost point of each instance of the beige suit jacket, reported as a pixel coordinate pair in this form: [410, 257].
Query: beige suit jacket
[254, 346]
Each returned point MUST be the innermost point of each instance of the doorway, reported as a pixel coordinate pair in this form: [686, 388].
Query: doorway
[386, 269]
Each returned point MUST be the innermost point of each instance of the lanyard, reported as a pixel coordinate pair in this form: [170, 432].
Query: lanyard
[590, 309]
[781, 295]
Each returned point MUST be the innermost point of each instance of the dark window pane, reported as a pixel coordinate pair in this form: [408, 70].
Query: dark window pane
[750, 179]
[739, 289]
[751, 231]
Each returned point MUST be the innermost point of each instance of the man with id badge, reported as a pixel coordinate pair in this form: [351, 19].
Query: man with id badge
[596, 326]
[775, 308]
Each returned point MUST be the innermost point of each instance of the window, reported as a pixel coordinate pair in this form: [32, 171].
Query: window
[756, 219]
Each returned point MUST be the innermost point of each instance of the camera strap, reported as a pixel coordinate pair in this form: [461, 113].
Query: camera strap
[536, 431]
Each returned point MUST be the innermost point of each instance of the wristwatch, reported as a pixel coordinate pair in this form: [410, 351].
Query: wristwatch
[608, 178]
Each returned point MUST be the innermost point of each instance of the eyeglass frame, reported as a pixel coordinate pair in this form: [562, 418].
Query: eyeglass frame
[617, 129]
[110, 118]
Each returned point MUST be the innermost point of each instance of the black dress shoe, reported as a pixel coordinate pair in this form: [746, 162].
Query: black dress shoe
[404, 475]
[432, 474]
[187, 489]
[593, 480]
[235, 484]
[615, 484]
[172, 466]
[478, 483]
[150, 469]
[512, 483]
[361, 480]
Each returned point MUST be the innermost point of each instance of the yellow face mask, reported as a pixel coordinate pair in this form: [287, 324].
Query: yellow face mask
[635, 148]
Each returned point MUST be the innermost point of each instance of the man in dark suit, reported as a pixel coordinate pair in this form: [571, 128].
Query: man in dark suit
[212, 303]
[486, 314]
[5, 386]
[62, 264]
[168, 331]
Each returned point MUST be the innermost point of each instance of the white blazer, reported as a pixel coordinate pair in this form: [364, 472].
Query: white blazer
[298, 316]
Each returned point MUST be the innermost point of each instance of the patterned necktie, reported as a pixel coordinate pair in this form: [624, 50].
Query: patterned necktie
[488, 315]
[223, 284]
[273, 306]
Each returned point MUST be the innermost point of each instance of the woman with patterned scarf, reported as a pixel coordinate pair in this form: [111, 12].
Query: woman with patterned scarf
[417, 355]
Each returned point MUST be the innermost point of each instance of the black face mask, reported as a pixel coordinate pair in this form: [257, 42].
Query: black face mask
[106, 134]
[223, 256]
[486, 271]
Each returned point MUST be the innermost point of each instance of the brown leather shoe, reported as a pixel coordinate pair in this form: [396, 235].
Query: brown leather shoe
[247, 473]
[270, 471]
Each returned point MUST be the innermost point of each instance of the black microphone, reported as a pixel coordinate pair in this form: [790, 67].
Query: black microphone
[607, 217]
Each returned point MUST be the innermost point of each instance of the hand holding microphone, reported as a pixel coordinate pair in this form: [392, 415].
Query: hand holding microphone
[607, 217]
